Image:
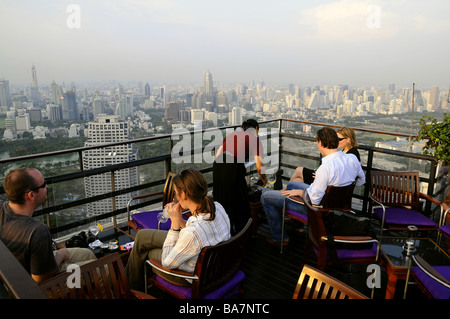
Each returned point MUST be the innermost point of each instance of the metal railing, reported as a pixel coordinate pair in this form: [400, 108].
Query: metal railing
[288, 159]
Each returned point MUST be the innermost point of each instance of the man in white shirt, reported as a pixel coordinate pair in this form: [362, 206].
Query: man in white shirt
[337, 169]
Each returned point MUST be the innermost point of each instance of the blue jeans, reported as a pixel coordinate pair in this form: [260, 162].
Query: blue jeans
[272, 202]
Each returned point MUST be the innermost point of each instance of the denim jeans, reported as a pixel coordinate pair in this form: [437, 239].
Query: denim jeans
[272, 202]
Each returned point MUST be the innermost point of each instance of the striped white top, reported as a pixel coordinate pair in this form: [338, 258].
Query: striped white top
[182, 248]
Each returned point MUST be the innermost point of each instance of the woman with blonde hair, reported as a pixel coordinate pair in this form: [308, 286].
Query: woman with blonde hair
[180, 246]
[347, 141]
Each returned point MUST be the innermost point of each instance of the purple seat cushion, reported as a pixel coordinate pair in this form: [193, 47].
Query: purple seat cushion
[404, 216]
[445, 230]
[225, 291]
[300, 216]
[357, 253]
[148, 220]
[437, 290]
[346, 254]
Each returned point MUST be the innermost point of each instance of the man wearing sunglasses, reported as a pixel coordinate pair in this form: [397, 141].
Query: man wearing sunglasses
[28, 239]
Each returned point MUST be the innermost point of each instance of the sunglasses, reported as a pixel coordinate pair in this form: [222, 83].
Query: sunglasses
[39, 187]
[341, 138]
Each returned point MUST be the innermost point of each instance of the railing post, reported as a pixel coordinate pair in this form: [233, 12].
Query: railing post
[113, 198]
[168, 161]
[367, 184]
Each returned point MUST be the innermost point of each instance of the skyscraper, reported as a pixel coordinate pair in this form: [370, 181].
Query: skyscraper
[34, 85]
[69, 106]
[109, 129]
[147, 90]
[5, 94]
[434, 98]
[209, 87]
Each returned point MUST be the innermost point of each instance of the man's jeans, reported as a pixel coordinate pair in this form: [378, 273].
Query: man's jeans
[272, 202]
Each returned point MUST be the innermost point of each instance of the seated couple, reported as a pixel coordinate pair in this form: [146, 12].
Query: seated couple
[337, 169]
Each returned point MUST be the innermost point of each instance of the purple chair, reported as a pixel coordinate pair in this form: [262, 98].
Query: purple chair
[317, 239]
[217, 274]
[328, 200]
[443, 228]
[394, 200]
[148, 220]
[433, 281]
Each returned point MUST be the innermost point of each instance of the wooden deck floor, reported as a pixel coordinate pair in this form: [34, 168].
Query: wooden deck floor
[273, 275]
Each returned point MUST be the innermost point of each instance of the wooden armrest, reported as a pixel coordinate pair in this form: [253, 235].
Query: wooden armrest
[430, 271]
[156, 263]
[296, 199]
[355, 239]
[147, 195]
[430, 198]
[375, 199]
[140, 294]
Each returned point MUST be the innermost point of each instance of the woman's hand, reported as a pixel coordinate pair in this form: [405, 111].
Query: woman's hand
[175, 214]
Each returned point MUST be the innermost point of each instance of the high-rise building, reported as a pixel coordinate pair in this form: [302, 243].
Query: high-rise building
[34, 85]
[147, 90]
[5, 94]
[97, 107]
[69, 106]
[434, 98]
[236, 116]
[209, 87]
[109, 129]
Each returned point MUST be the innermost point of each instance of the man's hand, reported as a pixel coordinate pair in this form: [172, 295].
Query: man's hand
[292, 192]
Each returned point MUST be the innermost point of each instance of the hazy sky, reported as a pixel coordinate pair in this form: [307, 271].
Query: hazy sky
[360, 43]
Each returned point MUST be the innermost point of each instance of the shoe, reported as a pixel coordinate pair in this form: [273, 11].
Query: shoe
[277, 243]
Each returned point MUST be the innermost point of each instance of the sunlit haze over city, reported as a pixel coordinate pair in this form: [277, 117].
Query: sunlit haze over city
[359, 43]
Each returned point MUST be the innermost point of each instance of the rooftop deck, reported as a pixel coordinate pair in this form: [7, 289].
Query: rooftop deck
[270, 275]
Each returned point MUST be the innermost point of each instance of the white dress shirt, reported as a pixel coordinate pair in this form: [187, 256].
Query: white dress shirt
[337, 169]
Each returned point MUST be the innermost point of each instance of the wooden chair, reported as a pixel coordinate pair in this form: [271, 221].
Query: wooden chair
[104, 278]
[433, 281]
[394, 200]
[317, 237]
[217, 274]
[148, 219]
[444, 221]
[335, 197]
[315, 284]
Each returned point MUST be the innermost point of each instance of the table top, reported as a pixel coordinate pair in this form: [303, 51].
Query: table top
[121, 234]
[392, 250]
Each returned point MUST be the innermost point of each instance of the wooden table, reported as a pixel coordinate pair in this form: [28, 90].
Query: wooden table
[396, 261]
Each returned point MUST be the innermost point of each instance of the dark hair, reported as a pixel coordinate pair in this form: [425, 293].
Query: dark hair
[328, 137]
[194, 184]
[250, 123]
[17, 183]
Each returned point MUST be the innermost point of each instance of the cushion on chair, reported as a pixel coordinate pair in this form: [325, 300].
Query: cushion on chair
[445, 230]
[404, 216]
[437, 290]
[149, 220]
[357, 253]
[298, 215]
[227, 290]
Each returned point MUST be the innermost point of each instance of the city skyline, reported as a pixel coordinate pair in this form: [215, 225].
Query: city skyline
[360, 43]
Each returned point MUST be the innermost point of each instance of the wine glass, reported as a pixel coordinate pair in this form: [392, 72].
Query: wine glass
[94, 230]
[271, 179]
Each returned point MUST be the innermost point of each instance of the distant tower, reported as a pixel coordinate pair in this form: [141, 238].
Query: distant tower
[5, 93]
[34, 85]
[147, 90]
[209, 88]
[434, 97]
